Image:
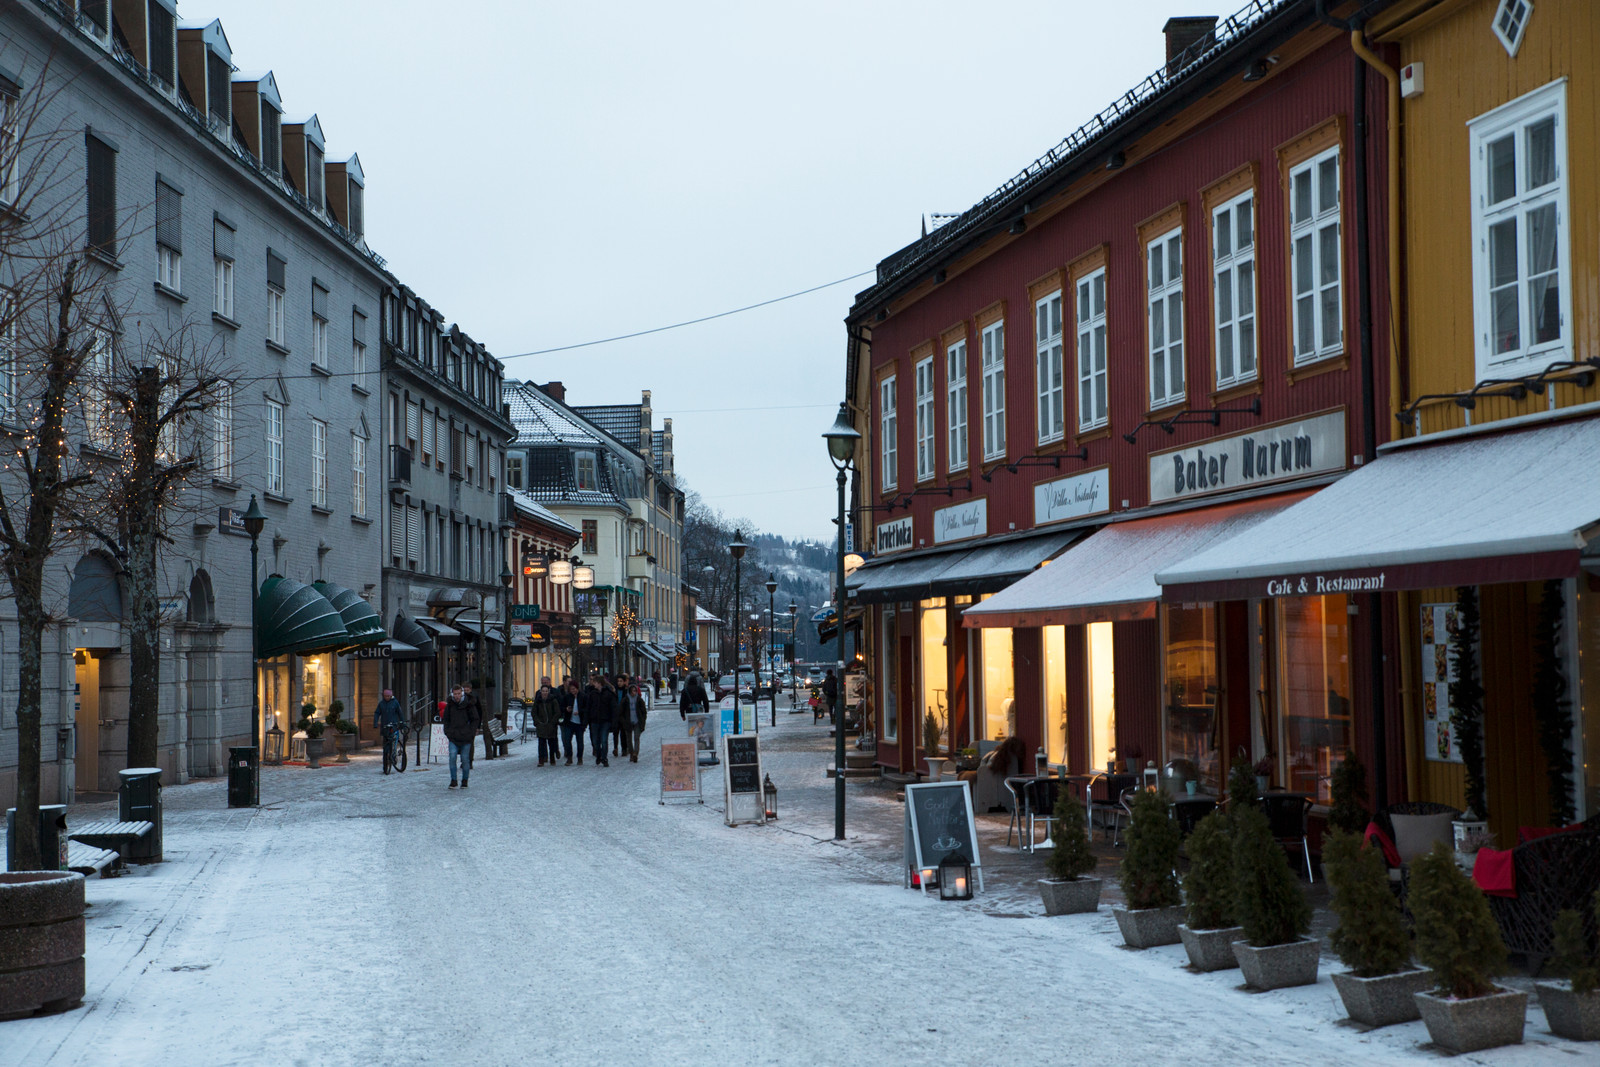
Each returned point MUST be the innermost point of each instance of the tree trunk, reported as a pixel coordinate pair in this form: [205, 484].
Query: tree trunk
[141, 533]
[30, 620]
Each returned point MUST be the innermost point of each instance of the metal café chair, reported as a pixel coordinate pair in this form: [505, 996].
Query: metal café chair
[1017, 786]
[1042, 794]
[1287, 813]
[1109, 807]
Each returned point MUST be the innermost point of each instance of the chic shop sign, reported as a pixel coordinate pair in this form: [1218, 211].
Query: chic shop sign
[961, 521]
[1076, 497]
[1256, 457]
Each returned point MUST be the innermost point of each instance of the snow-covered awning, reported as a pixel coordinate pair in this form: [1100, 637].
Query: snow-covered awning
[1474, 510]
[961, 571]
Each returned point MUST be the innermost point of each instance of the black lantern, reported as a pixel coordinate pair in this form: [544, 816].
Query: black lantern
[955, 877]
[770, 791]
[275, 745]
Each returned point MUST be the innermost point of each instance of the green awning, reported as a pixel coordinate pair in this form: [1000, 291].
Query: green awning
[293, 618]
[361, 620]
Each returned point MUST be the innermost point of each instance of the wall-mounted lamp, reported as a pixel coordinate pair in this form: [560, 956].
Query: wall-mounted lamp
[1116, 161]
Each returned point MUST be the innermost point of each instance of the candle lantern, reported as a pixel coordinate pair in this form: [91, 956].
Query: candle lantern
[955, 877]
[275, 745]
[770, 791]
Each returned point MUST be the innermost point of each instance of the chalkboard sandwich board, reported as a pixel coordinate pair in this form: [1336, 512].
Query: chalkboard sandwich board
[939, 823]
[742, 779]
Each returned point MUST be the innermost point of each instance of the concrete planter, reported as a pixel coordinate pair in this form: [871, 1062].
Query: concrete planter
[41, 942]
[1211, 950]
[1384, 1000]
[1069, 898]
[1475, 1023]
[1278, 966]
[1149, 927]
[314, 751]
[1574, 1016]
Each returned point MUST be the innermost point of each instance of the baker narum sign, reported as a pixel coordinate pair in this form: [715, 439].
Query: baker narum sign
[1276, 453]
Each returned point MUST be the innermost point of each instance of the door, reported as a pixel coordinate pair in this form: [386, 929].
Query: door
[86, 679]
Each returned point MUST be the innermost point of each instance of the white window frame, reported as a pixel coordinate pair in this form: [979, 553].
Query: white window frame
[222, 433]
[96, 376]
[275, 314]
[1511, 23]
[1515, 119]
[1233, 292]
[358, 475]
[1051, 408]
[10, 106]
[319, 341]
[955, 368]
[514, 467]
[319, 463]
[169, 268]
[358, 366]
[889, 432]
[927, 462]
[10, 373]
[1094, 398]
[1309, 249]
[1164, 339]
[993, 347]
[582, 461]
[222, 293]
[275, 447]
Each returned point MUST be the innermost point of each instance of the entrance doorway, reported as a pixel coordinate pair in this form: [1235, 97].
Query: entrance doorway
[86, 677]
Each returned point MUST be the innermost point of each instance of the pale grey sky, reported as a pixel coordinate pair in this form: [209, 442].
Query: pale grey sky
[547, 174]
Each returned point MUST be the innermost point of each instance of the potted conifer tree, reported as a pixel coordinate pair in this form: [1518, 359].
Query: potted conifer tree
[1154, 903]
[1371, 936]
[1458, 938]
[1209, 934]
[1572, 1008]
[930, 745]
[1067, 891]
[1271, 907]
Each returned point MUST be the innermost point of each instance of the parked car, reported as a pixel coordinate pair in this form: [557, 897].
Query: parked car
[746, 683]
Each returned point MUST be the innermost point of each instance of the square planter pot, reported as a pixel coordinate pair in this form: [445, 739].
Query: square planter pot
[1069, 898]
[1475, 1023]
[1279, 966]
[1574, 1016]
[1211, 950]
[1149, 927]
[1384, 1000]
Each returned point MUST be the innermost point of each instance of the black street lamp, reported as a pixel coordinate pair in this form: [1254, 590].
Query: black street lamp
[506, 578]
[772, 589]
[736, 549]
[793, 607]
[255, 520]
[842, 439]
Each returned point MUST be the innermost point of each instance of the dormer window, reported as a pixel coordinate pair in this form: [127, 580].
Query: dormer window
[94, 16]
[271, 139]
[162, 26]
[587, 471]
[314, 176]
[357, 224]
[219, 101]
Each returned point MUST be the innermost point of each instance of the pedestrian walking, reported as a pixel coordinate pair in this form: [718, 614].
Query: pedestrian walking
[386, 717]
[546, 721]
[694, 697]
[655, 683]
[830, 693]
[631, 720]
[576, 723]
[483, 721]
[460, 727]
[602, 713]
[672, 684]
[620, 690]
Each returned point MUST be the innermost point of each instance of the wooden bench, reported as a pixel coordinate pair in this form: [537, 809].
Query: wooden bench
[499, 737]
[111, 834]
[88, 860]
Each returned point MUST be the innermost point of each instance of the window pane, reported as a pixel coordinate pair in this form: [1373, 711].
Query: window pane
[1175, 259]
[1544, 305]
[1222, 233]
[1156, 279]
[1542, 152]
[1303, 325]
[1158, 333]
[1175, 316]
[1191, 703]
[1503, 253]
[1301, 196]
[1328, 241]
[1302, 264]
[1247, 288]
[1225, 353]
[1314, 639]
[1083, 301]
[1501, 157]
[1099, 294]
[1244, 218]
[1247, 346]
[1542, 239]
[1505, 334]
[1331, 326]
[1328, 185]
[1224, 296]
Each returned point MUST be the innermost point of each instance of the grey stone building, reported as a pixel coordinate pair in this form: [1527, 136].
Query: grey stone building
[258, 246]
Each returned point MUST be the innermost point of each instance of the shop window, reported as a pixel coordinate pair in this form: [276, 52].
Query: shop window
[1191, 691]
[276, 697]
[316, 682]
[999, 684]
[1313, 733]
[1102, 693]
[890, 658]
[936, 667]
[1055, 693]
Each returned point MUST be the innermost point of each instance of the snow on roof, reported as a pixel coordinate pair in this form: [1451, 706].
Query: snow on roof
[542, 421]
[525, 503]
[702, 615]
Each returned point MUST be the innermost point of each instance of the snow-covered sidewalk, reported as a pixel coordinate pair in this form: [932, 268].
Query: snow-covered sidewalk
[562, 914]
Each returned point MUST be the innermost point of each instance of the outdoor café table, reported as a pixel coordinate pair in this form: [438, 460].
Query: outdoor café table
[1017, 786]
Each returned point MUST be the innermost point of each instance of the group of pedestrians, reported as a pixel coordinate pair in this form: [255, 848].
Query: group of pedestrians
[610, 710]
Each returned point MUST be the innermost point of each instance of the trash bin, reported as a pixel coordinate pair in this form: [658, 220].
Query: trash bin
[244, 778]
[52, 837]
[139, 800]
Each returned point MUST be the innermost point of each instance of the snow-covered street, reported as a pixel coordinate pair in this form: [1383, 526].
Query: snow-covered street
[562, 914]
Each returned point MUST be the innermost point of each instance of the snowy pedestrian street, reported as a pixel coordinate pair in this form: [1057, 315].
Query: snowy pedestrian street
[563, 915]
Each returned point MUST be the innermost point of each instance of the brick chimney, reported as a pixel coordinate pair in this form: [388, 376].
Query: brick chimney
[1183, 31]
[555, 391]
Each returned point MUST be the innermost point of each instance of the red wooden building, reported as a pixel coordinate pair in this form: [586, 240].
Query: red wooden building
[1157, 335]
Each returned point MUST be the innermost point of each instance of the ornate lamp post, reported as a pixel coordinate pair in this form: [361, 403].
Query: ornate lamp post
[793, 607]
[506, 578]
[736, 549]
[255, 520]
[772, 589]
[842, 439]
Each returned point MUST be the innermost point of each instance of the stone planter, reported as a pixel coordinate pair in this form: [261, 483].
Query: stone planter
[1211, 950]
[935, 768]
[41, 942]
[1279, 966]
[1069, 898]
[1475, 1023]
[1574, 1016]
[341, 742]
[314, 751]
[1149, 927]
[1384, 1000]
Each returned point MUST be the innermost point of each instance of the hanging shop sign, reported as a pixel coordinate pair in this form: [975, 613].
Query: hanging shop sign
[961, 521]
[1258, 457]
[894, 536]
[1076, 497]
[379, 651]
[1438, 671]
[537, 636]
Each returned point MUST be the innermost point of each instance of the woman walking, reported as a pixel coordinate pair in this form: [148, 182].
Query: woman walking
[631, 721]
[546, 721]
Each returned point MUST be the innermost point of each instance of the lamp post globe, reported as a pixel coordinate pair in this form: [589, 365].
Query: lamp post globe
[842, 438]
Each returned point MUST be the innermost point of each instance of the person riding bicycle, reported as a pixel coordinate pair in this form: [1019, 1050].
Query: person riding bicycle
[386, 717]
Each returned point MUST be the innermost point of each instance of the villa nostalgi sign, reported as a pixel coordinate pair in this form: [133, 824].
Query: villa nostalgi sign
[961, 521]
[1076, 497]
[1257, 457]
[893, 536]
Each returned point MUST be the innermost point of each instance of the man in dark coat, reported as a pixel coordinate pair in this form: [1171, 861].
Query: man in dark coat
[460, 727]
[601, 711]
[572, 722]
[632, 711]
[693, 697]
[483, 723]
[546, 718]
[830, 693]
[385, 717]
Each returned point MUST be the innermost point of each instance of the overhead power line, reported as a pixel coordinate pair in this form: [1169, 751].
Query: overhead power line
[690, 322]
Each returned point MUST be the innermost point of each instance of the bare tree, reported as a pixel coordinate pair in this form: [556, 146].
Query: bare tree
[706, 536]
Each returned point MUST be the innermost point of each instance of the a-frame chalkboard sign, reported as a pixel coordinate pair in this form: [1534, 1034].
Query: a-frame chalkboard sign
[741, 780]
[939, 822]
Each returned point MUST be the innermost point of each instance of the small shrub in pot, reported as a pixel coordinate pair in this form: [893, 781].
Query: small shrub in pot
[1271, 907]
[1149, 885]
[1379, 988]
[1067, 891]
[1209, 934]
[1572, 1008]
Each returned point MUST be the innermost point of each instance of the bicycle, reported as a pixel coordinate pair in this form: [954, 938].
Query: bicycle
[394, 746]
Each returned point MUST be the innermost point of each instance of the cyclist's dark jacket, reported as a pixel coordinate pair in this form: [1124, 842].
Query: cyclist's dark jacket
[387, 711]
